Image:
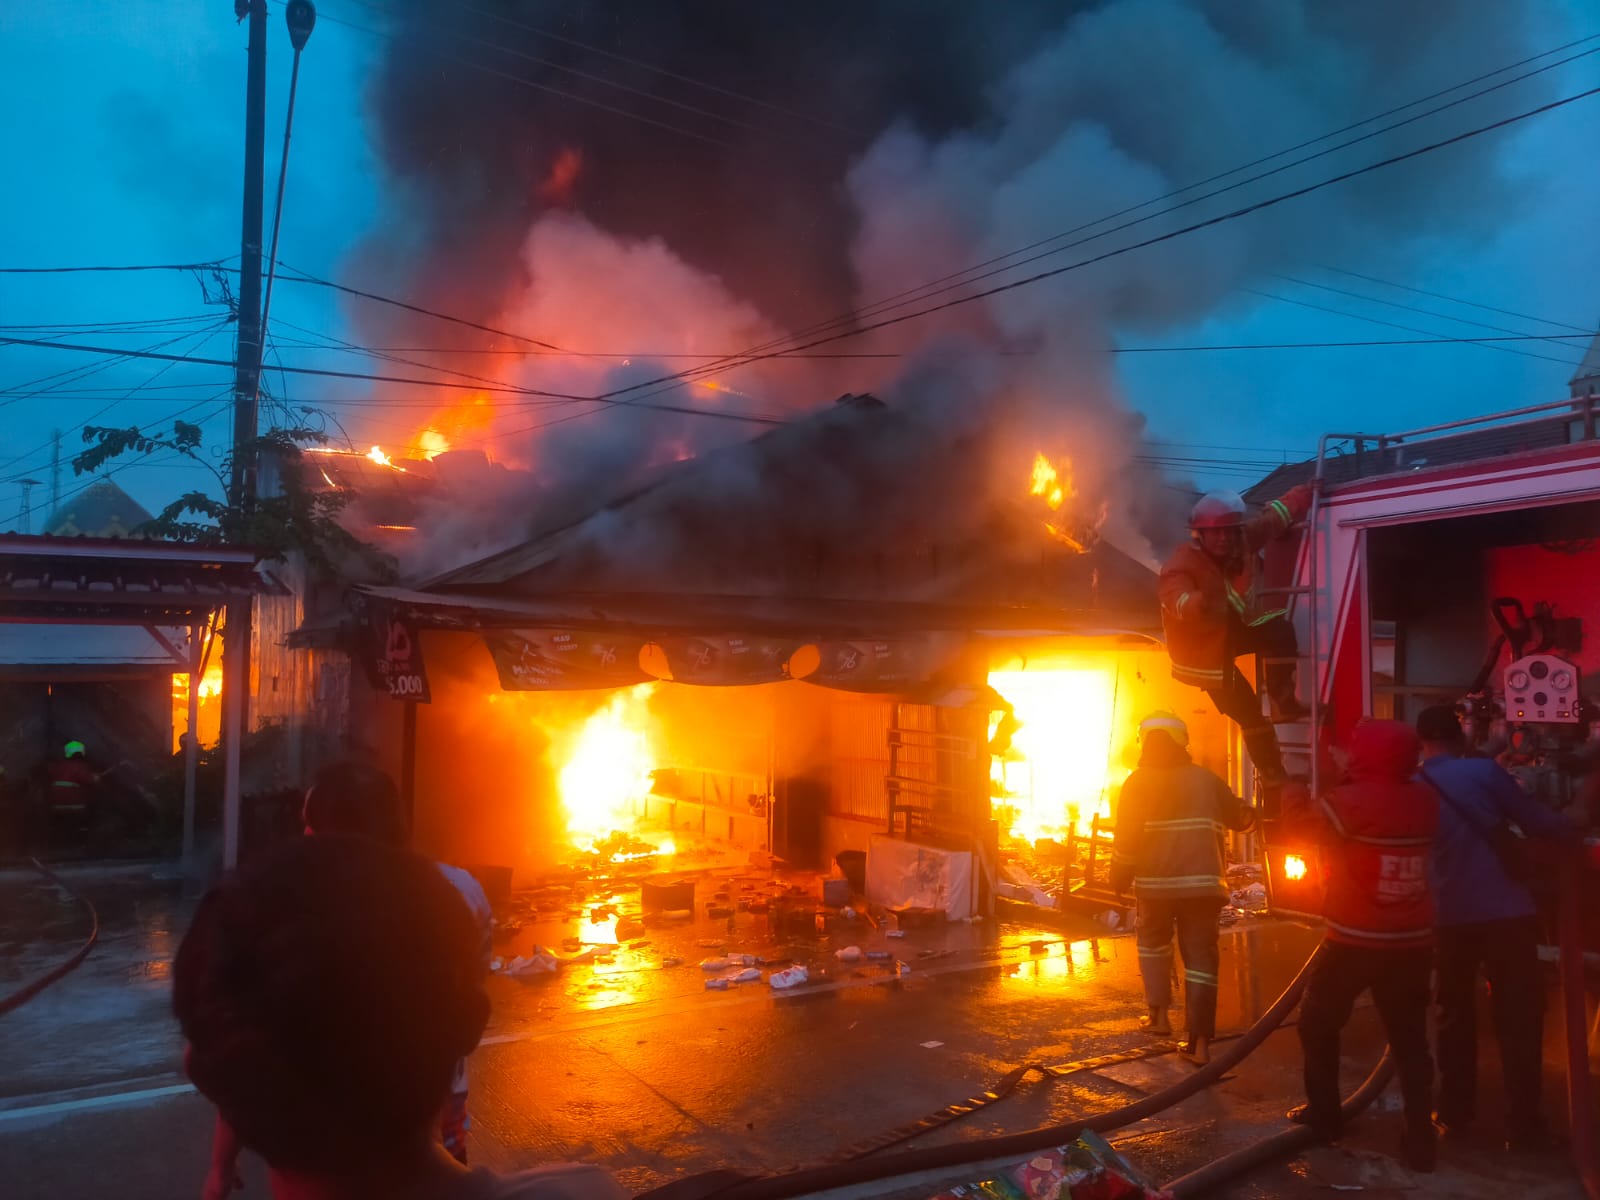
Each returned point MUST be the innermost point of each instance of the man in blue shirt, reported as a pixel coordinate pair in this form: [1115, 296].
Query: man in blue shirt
[1486, 921]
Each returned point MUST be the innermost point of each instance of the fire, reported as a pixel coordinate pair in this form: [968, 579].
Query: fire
[1057, 773]
[606, 772]
[379, 457]
[1294, 867]
[209, 694]
[1050, 484]
[431, 443]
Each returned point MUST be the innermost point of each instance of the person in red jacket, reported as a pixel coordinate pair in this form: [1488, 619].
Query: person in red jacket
[1375, 832]
[1212, 612]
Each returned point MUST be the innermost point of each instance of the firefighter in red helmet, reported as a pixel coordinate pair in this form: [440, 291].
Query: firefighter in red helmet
[1213, 612]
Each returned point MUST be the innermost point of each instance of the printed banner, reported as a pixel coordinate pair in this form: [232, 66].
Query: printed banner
[564, 660]
[392, 654]
[880, 665]
[725, 661]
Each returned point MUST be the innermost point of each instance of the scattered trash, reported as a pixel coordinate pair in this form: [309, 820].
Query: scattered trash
[540, 962]
[746, 975]
[719, 984]
[788, 978]
[901, 969]
[895, 933]
[713, 964]
[848, 913]
[849, 954]
[1118, 920]
[718, 911]
[671, 962]
[496, 963]
[879, 955]
[931, 1045]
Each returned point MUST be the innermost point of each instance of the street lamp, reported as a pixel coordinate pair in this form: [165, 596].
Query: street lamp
[301, 16]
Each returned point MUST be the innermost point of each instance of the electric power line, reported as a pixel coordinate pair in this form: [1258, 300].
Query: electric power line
[976, 272]
[1504, 312]
[677, 380]
[1427, 312]
[1487, 343]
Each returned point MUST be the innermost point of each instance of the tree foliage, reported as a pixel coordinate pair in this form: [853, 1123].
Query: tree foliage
[297, 519]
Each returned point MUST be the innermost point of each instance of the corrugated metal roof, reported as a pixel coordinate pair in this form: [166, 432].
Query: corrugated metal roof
[106, 580]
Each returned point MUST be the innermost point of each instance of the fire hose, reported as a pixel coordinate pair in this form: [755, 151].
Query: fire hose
[829, 1176]
[32, 988]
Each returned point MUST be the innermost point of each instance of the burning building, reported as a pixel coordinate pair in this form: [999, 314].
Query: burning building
[841, 631]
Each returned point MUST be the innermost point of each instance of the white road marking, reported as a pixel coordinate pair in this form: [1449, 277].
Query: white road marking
[115, 1100]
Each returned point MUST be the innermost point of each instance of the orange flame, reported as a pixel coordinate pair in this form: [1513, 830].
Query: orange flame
[1057, 774]
[1052, 485]
[1294, 867]
[607, 772]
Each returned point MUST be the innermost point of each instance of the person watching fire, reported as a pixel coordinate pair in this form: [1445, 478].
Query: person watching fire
[358, 800]
[1212, 612]
[1170, 822]
[327, 993]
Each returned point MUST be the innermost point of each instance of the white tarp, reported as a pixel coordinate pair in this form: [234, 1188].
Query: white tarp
[902, 874]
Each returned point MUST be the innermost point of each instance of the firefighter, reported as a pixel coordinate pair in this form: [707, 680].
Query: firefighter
[1376, 833]
[1170, 822]
[72, 781]
[1212, 612]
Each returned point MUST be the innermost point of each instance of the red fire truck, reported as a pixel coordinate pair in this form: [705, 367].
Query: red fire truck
[1458, 564]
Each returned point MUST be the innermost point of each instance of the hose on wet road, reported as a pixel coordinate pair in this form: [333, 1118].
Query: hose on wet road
[1218, 1171]
[829, 1176]
[33, 987]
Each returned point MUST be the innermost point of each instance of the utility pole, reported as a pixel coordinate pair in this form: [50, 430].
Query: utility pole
[247, 369]
[55, 472]
[27, 503]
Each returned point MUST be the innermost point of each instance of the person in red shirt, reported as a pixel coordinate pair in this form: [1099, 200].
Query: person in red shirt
[1375, 832]
[72, 780]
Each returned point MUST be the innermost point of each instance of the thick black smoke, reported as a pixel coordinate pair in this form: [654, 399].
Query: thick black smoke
[477, 104]
[843, 151]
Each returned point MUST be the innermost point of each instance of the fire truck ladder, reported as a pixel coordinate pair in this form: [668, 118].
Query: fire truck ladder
[1300, 747]
[1299, 741]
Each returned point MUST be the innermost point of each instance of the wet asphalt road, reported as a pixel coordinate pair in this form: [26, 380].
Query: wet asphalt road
[638, 1066]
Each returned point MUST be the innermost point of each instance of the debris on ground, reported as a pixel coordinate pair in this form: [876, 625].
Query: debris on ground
[788, 977]
[1088, 1169]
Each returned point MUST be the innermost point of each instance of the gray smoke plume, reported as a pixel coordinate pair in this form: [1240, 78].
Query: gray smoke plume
[823, 157]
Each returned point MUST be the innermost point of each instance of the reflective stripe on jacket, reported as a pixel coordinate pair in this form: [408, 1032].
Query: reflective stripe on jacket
[1197, 597]
[1170, 825]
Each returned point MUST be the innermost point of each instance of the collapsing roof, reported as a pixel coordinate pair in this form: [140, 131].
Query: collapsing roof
[860, 507]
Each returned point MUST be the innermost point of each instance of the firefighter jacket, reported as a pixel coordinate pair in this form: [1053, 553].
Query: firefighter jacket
[1375, 834]
[1171, 817]
[1198, 595]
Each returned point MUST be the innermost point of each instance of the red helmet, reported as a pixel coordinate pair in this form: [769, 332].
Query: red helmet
[1220, 509]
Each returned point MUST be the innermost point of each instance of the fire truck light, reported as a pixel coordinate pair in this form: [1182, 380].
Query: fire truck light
[1294, 867]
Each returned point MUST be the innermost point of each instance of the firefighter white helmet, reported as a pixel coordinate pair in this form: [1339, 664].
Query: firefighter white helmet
[1220, 509]
[1168, 723]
